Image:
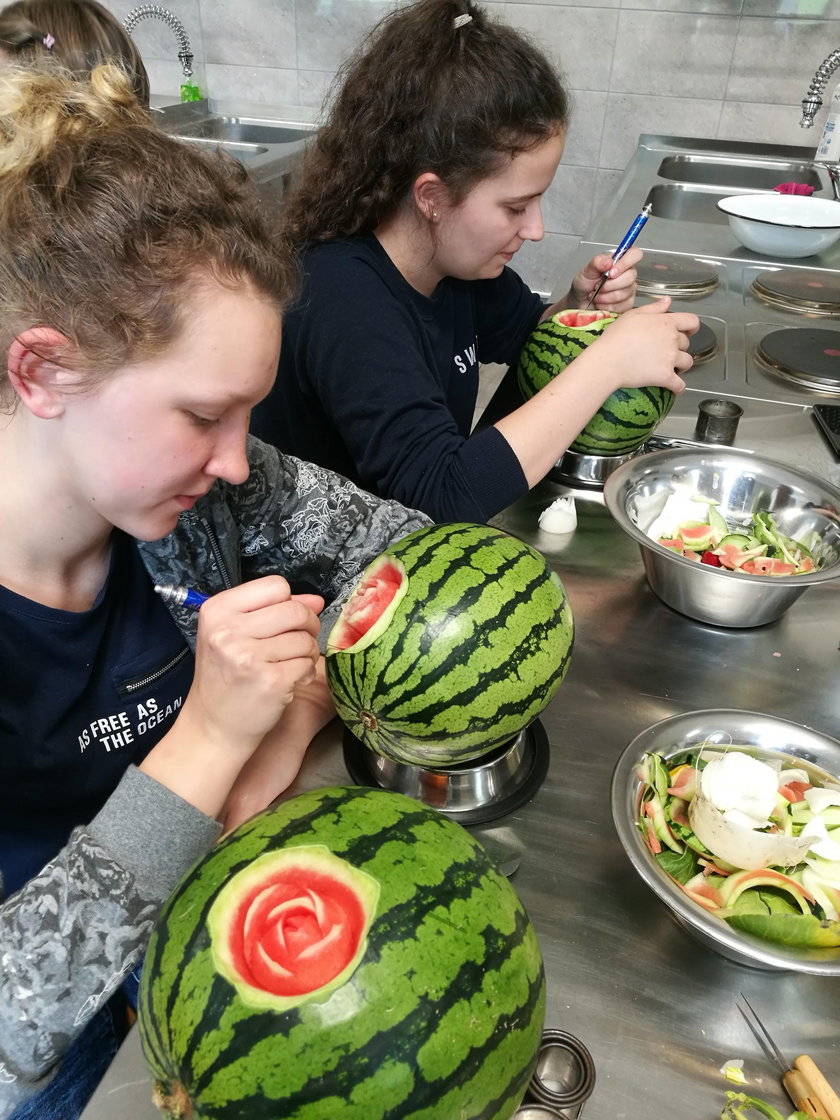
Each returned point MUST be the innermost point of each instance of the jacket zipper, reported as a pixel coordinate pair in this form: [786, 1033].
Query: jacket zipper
[150, 678]
[217, 553]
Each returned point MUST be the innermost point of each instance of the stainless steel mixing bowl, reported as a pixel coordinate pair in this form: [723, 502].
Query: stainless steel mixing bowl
[767, 737]
[742, 484]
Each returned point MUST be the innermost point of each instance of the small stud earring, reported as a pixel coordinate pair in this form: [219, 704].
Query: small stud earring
[434, 215]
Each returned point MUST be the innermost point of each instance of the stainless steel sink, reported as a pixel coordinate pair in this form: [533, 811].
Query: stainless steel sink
[688, 203]
[758, 175]
[243, 130]
[269, 143]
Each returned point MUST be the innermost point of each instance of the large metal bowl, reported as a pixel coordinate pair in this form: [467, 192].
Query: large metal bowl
[742, 484]
[770, 737]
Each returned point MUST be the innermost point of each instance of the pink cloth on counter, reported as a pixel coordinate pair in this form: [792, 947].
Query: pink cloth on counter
[794, 188]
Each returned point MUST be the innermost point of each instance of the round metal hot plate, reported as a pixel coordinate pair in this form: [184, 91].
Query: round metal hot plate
[805, 355]
[474, 792]
[703, 345]
[804, 290]
[662, 275]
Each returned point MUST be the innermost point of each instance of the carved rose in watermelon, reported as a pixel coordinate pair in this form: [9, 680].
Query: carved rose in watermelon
[626, 418]
[424, 997]
[291, 925]
[454, 640]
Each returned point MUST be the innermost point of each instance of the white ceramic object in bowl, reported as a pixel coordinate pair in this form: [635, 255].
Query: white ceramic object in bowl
[783, 225]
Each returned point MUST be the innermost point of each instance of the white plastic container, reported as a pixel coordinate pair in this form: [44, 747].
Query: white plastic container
[828, 149]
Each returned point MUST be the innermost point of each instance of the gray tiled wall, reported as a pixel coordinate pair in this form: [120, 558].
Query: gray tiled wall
[734, 69]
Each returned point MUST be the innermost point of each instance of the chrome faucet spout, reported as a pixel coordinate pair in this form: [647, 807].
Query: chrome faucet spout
[155, 11]
[812, 101]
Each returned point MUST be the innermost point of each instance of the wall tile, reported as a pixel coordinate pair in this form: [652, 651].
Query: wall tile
[685, 55]
[313, 86]
[546, 265]
[628, 116]
[250, 32]
[567, 204]
[697, 7]
[575, 3]
[165, 78]
[794, 9]
[775, 59]
[154, 39]
[579, 41]
[586, 124]
[768, 124]
[329, 30]
[265, 85]
[606, 186]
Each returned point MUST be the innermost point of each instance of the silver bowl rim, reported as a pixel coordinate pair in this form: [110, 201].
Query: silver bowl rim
[651, 459]
[624, 791]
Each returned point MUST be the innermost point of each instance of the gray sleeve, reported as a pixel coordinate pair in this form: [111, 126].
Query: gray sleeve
[72, 933]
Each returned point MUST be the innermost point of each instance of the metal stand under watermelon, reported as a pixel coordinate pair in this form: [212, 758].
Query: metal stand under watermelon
[473, 792]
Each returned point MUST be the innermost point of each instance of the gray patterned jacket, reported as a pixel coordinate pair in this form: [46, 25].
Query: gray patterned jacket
[70, 935]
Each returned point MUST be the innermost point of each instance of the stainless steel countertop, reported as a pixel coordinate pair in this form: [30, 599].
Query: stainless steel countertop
[655, 1008]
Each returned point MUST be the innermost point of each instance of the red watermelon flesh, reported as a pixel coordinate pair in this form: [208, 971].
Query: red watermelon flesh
[370, 607]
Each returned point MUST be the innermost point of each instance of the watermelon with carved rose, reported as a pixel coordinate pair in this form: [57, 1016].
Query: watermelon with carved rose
[349, 953]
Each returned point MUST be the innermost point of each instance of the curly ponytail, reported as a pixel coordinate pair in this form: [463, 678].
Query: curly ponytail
[437, 86]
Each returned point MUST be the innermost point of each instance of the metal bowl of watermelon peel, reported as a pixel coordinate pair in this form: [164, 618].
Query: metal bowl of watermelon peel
[622, 424]
[454, 640]
[727, 537]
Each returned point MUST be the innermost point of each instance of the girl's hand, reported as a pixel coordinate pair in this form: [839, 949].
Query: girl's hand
[646, 346]
[256, 644]
[618, 292]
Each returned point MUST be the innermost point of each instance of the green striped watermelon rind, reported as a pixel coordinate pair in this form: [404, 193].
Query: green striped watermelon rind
[627, 417]
[624, 421]
[442, 1018]
[439, 689]
[550, 347]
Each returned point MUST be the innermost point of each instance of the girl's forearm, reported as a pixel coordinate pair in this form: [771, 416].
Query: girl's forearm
[540, 431]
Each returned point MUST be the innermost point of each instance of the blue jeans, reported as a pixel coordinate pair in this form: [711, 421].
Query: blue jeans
[83, 1067]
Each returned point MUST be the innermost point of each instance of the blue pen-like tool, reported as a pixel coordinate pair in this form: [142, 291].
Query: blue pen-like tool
[623, 245]
[181, 596]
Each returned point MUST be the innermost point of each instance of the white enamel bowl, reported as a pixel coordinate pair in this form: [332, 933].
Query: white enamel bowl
[766, 737]
[783, 225]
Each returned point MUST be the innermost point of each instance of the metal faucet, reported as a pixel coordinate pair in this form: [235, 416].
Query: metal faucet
[811, 104]
[155, 11]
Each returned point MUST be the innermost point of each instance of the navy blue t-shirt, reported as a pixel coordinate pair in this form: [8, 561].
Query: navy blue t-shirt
[84, 693]
[379, 382]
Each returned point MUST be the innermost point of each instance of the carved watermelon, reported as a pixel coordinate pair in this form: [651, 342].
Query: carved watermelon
[350, 953]
[625, 419]
[454, 640]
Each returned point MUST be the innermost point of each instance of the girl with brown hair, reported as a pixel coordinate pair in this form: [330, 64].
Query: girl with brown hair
[141, 290]
[424, 181]
[80, 34]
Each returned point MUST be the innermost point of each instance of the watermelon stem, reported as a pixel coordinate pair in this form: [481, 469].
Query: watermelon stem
[174, 1103]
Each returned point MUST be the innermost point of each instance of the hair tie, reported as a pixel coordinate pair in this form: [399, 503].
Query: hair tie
[48, 41]
[461, 21]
